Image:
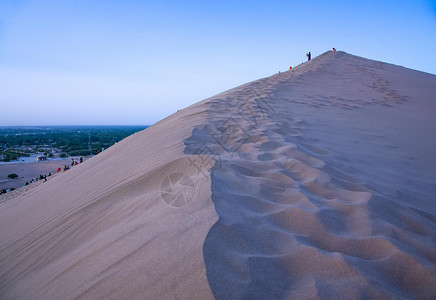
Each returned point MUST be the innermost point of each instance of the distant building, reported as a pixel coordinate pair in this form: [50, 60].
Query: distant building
[40, 158]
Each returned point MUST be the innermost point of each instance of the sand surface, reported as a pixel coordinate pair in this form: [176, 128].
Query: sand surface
[319, 182]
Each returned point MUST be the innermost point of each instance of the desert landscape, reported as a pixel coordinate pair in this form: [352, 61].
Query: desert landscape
[315, 183]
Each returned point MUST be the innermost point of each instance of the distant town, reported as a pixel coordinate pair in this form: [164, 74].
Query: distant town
[36, 143]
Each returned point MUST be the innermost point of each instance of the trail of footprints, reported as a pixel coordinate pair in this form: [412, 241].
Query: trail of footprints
[276, 204]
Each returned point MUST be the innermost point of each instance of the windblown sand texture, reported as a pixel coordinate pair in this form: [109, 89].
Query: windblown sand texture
[319, 182]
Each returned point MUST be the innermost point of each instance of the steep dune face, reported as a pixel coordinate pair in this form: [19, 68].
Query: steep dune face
[128, 223]
[314, 183]
[326, 183]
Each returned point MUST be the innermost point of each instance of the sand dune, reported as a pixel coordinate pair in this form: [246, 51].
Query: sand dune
[314, 183]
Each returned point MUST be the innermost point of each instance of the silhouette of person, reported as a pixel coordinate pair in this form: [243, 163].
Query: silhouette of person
[309, 55]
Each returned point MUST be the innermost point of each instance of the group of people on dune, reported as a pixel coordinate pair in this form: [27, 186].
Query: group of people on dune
[44, 177]
[73, 163]
[41, 177]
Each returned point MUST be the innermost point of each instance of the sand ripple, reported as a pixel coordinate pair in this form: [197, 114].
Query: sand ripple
[295, 224]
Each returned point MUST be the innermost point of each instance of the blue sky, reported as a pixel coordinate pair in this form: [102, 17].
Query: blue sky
[136, 62]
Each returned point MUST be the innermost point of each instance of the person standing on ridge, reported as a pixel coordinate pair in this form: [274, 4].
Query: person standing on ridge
[308, 55]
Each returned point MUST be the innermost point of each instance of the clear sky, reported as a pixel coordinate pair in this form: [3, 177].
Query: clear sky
[74, 62]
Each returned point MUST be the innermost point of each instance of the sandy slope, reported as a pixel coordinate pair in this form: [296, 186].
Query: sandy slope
[322, 186]
[104, 228]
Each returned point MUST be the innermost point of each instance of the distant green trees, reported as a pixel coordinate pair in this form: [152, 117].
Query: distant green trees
[72, 140]
[12, 154]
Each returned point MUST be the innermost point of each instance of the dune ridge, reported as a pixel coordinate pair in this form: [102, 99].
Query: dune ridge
[293, 225]
[314, 183]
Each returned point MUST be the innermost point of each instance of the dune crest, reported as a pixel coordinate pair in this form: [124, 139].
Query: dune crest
[304, 207]
[314, 183]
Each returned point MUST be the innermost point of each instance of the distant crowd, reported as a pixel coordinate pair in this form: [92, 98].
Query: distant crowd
[41, 177]
[45, 176]
[73, 163]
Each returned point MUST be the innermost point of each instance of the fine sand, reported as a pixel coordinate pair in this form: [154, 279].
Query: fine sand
[319, 182]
